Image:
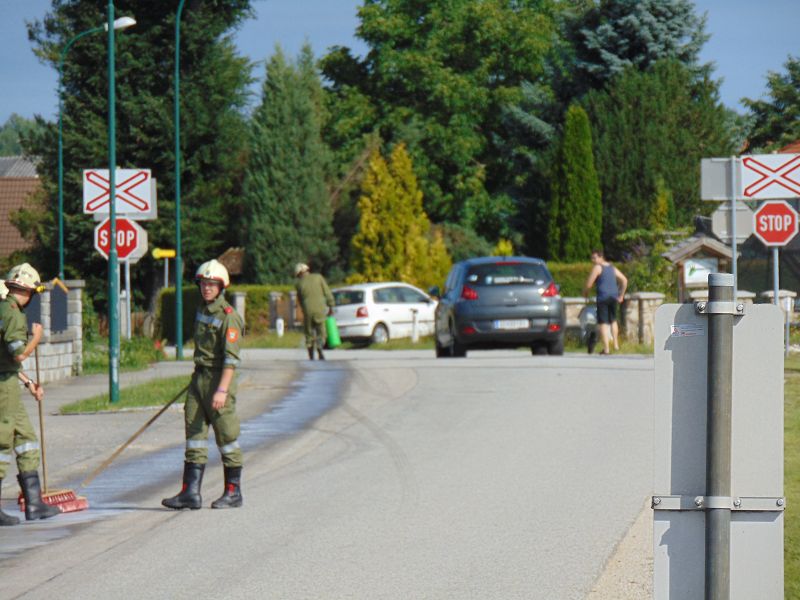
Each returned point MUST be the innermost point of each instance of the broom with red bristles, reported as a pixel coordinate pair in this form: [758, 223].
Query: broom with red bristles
[65, 500]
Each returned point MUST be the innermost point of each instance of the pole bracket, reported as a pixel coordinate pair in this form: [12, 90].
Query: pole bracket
[719, 308]
[738, 503]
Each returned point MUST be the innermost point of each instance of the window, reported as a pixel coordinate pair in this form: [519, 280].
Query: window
[411, 296]
[342, 297]
[387, 295]
[507, 273]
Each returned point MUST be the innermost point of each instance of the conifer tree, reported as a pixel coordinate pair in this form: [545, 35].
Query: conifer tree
[394, 239]
[576, 209]
[286, 200]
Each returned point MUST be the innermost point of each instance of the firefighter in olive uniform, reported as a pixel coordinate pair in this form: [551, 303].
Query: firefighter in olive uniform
[212, 393]
[317, 302]
[16, 432]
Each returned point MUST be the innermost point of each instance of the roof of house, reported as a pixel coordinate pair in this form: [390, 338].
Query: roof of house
[17, 166]
[15, 192]
[793, 148]
[696, 244]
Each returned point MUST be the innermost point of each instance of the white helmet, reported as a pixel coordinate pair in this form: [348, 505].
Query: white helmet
[300, 268]
[23, 276]
[215, 271]
[3, 290]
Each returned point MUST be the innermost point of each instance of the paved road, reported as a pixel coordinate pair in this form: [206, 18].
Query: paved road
[497, 476]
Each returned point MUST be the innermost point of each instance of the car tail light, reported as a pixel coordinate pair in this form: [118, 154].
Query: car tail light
[468, 330]
[554, 327]
[467, 293]
[362, 312]
[550, 291]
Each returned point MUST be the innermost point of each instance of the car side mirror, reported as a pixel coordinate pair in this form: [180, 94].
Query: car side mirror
[434, 292]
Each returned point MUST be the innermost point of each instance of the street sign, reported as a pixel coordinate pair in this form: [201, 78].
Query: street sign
[135, 193]
[775, 223]
[159, 253]
[131, 239]
[766, 176]
[721, 222]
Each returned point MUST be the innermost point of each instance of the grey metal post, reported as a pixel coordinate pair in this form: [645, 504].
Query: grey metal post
[734, 231]
[775, 275]
[718, 440]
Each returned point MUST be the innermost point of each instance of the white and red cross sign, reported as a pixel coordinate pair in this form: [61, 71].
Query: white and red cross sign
[135, 197]
[131, 239]
[766, 176]
[775, 223]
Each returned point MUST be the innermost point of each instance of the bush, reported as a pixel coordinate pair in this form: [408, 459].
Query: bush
[570, 276]
[256, 309]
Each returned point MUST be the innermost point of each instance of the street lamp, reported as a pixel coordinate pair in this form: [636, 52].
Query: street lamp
[178, 258]
[113, 257]
[121, 23]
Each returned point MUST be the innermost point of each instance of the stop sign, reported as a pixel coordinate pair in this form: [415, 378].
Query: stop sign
[131, 239]
[775, 223]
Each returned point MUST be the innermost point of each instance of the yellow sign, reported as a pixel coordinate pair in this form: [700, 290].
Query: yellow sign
[163, 253]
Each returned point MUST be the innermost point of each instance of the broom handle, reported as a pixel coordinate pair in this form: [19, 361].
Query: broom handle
[119, 450]
[41, 422]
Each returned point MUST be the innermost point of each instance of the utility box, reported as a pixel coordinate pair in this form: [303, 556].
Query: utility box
[679, 501]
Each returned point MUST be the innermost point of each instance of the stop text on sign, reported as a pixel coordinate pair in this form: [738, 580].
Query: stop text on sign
[775, 223]
[131, 239]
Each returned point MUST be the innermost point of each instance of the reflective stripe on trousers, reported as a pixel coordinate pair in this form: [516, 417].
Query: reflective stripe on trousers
[26, 447]
[229, 448]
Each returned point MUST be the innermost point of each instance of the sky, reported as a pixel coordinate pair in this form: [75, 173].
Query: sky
[748, 39]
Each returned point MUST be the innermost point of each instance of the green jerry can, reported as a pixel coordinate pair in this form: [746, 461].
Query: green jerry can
[333, 332]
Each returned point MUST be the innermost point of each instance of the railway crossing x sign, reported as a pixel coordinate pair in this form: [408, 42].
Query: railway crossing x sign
[135, 193]
[770, 176]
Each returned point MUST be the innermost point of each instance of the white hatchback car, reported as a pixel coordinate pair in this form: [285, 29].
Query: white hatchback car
[378, 312]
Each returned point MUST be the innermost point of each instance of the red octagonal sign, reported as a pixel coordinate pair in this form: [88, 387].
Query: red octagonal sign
[775, 223]
[130, 238]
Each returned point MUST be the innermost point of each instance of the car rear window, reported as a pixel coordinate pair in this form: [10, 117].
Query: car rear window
[342, 297]
[507, 273]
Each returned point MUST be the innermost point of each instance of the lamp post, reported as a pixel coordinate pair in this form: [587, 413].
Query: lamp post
[178, 258]
[113, 257]
[121, 23]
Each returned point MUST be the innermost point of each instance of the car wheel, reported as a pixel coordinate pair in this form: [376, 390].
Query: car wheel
[441, 352]
[538, 349]
[380, 335]
[556, 348]
[592, 342]
[456, 350]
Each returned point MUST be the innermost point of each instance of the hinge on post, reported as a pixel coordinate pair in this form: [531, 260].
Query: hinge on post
[738, 503]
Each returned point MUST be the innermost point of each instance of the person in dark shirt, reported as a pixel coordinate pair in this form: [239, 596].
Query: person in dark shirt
[611, 286]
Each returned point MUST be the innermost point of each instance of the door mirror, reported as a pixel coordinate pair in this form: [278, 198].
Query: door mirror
[434, 292]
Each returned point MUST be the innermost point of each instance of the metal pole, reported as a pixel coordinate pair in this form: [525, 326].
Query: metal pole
[166, 272]
[718, 440]
[775, 276]
[113, 262]
[128, 297]
[734, 267]
[178, 258]
[788, 318]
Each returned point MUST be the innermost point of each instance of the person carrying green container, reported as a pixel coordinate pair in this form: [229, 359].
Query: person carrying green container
[317, 302]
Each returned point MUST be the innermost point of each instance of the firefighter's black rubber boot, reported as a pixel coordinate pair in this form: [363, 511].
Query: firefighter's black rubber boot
[232, 496]
[7, 520]
[35, 507]
[189, 496]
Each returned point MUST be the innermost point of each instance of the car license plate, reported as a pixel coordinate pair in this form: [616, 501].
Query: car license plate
[512, 324]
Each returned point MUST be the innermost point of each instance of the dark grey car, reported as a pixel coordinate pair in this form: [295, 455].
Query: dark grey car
[499, 302]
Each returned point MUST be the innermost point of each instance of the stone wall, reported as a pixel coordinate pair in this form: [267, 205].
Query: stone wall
[637, 315]
[60, 352]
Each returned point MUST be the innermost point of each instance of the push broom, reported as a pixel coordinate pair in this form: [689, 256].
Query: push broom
[65, 500]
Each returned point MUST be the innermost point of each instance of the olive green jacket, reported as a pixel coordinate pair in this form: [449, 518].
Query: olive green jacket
[315, 295]
[217, 329]
[13, 334]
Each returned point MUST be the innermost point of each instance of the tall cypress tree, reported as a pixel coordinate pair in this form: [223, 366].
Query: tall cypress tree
[287, 206]
[576, 209]
[213, 93]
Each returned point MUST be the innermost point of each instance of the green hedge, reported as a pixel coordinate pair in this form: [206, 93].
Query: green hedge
[256, 308]
[570, 276]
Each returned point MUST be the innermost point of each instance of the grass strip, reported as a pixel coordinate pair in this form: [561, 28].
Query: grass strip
[791, 478]
[154, 393]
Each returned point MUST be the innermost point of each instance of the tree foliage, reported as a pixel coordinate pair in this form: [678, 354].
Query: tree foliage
[437, 77]
[650, 125]
[615, 35]
[287, 208]
[576, 212]
[395, 240]
[213, 94]
[776, 121]
[12, 131]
